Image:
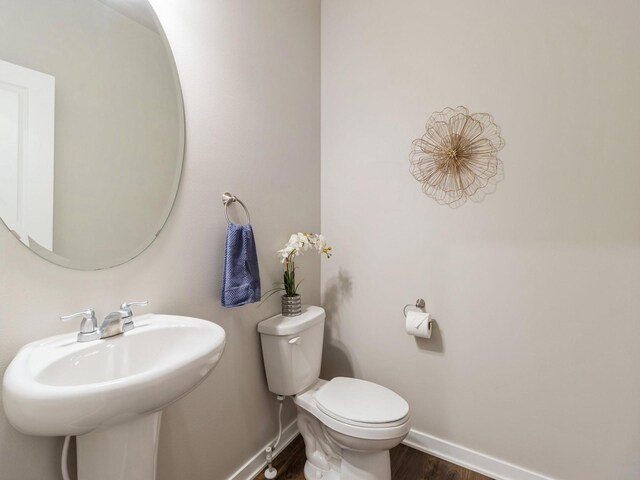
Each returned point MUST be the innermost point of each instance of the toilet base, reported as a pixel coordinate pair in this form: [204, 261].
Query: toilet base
[354, 466]
[312, 472]
[365, 466]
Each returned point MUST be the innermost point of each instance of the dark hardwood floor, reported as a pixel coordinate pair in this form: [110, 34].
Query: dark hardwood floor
[406, 464]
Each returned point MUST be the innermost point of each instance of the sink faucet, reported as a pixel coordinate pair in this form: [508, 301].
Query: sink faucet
[112, 324]
[115, 323]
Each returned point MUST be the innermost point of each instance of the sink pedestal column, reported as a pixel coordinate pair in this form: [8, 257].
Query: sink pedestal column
[120, 452]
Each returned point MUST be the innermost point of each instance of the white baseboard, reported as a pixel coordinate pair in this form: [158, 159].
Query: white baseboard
[451, 452]
[465, 457]
[258, 463]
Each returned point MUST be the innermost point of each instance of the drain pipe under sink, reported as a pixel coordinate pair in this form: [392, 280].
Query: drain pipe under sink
[64, 462]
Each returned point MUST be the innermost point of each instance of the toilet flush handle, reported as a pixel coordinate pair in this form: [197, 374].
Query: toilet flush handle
[295, 341]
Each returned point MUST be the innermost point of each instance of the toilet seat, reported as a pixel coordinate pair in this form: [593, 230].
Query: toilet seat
[373, 431]
[362, 403]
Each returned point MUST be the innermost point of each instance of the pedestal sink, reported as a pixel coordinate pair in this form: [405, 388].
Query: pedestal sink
[110, 392]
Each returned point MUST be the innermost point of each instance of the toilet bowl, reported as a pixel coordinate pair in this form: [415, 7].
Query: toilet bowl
[348, 425]
[343, 441]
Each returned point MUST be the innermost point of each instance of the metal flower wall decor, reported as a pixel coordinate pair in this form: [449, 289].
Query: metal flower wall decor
[457, 157]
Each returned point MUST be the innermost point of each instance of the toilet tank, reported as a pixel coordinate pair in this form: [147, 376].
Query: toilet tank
[292, 350]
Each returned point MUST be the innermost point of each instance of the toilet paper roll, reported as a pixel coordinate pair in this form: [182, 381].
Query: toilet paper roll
[417, 324]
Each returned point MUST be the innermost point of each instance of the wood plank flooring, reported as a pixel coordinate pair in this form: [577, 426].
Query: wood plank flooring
[406, 464]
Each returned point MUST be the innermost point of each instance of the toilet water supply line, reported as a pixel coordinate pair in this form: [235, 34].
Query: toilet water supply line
[271, 472]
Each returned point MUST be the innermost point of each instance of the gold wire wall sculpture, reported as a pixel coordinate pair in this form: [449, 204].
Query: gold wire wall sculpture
[457, 157]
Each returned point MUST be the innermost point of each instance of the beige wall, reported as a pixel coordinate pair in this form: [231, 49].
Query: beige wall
[250, 74]
[535, 360]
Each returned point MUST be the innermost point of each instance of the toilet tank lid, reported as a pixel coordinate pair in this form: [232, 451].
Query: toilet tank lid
[280, 325]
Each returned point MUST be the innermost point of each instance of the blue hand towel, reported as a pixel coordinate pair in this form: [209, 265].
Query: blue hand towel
[241, 281]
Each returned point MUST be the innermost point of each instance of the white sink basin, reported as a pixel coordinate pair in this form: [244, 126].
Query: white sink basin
[58, 386]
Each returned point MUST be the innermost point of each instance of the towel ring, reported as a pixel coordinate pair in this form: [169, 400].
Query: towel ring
[227, 199]
[420, 303]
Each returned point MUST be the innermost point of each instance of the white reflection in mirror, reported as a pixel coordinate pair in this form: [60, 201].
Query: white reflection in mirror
[27, 100]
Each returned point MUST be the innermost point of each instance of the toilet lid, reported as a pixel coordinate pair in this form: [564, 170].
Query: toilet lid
[360, 402]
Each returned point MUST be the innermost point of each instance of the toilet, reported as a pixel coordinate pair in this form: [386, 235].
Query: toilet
[348, 425]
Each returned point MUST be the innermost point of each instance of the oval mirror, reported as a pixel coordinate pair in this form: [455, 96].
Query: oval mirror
[91, 128]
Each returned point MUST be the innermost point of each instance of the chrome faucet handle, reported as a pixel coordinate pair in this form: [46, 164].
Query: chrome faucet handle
[126, 306]
[89, 326]
[128, 318]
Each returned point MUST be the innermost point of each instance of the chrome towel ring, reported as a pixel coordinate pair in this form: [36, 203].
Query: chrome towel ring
[227, 199]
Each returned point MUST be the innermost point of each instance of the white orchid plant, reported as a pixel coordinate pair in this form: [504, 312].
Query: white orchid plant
[298, 244]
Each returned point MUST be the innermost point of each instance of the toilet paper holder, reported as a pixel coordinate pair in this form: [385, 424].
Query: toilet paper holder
[420, 304]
